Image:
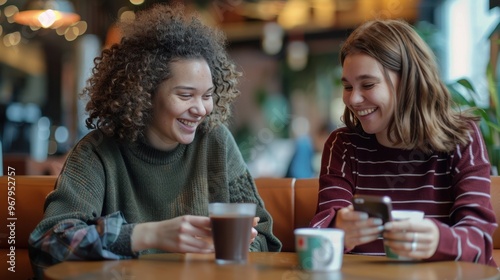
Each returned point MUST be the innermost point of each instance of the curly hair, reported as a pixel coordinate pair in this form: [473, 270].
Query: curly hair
[126, 76]
[423, 118]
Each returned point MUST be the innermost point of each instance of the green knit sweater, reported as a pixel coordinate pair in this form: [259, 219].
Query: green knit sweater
[105, 188]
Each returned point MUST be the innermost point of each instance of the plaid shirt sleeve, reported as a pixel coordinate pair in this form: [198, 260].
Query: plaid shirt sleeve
[105, 237]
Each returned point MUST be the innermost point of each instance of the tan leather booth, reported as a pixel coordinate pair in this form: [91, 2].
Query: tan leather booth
[291, 202]
[495, 202]
[20, 211]
[278, 195]
[306, 199]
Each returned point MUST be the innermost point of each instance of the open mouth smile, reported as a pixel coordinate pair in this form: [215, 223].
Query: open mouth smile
[188, 123]
[366, 112]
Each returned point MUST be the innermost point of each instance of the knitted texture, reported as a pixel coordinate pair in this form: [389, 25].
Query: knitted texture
[102, 177]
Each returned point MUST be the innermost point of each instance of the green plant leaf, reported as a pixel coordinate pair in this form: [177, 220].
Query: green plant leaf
[466, 84]
[493, 125]
[492, 89]
[459, 97]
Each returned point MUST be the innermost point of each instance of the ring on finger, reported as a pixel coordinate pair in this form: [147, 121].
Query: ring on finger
[414, 246]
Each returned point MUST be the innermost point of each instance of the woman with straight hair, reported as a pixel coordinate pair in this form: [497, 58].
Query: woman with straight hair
[404, 140]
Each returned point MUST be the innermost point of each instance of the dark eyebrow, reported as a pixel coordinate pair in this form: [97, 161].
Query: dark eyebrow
[211, 89]
[362, 77]
[184, 87]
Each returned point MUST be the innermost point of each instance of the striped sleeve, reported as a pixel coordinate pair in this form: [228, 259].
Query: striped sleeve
[336, 180]
[468, 237]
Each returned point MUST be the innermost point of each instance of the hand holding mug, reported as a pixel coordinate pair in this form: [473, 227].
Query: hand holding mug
[411, 238]
[184, 234]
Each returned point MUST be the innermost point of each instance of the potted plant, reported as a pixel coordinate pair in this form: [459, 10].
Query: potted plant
[466, 97]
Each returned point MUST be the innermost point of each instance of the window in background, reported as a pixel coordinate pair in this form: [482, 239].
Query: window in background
[466, 26]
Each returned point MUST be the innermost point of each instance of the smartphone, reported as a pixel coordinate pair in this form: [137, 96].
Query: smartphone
[374, 206]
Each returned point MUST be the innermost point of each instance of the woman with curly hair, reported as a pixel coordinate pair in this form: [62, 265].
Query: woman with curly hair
[159, 153]
[404, 140]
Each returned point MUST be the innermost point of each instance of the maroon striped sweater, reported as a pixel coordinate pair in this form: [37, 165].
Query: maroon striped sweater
[453, 189]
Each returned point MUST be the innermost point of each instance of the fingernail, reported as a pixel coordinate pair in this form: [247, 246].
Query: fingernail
[377, 221]
[363, 216]
[388, 226]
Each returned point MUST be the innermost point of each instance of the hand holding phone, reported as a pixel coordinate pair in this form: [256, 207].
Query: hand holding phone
[375, 206]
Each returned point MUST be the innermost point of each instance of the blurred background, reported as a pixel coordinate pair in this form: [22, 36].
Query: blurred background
[287, 50]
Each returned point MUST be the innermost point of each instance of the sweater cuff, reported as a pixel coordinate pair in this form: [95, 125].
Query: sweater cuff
[446, 241]
[259, 244]
[123, 243]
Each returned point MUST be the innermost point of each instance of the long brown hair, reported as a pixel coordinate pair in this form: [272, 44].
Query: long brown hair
[423, 118]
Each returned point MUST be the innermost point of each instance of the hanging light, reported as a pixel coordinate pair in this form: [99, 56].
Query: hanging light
[47, 13]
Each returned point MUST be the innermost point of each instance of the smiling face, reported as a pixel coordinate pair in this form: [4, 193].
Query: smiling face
[368, 94]
[180, 104]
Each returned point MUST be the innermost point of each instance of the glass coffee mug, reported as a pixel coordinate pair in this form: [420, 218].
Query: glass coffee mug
[231, 230]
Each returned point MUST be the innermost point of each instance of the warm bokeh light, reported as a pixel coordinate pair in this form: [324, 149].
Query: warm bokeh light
[137, 2]
[263, 10]
[323, 12]
[70, 35]
[295, 13]
[9, 40]
[82, 27]
[61, 30]
[47, 18]
[12, 39]
[72, 32]
[10, 10]
[127, 16]
[9, 13]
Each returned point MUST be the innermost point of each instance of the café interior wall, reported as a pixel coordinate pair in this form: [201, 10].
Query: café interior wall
[265, 108]
[273, 98]
[40, 106]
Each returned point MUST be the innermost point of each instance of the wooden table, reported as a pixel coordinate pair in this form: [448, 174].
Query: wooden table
[275, 266]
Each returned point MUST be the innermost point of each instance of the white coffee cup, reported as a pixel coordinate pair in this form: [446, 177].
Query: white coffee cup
[407, 215]
[319, 249]
[398, 215]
